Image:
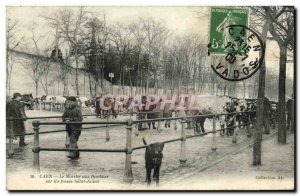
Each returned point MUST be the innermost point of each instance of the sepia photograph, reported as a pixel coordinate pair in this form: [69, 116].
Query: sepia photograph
[150, 98]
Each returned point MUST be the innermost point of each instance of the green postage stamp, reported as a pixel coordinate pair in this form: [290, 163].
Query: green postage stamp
[220, 19]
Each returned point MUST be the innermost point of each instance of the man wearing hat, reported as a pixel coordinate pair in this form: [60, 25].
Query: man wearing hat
[73, 114]
[15, 109]
[266, 115]
[290, 113]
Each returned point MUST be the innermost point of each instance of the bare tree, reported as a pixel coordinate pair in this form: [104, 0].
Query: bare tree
[155, 33]
[39, 64]
[139, 39]
[122, 37]
[72, 29]
[46, 66]
[64, 71]
[54, 21]
[282, 30]
[260, 104]
[11, 43]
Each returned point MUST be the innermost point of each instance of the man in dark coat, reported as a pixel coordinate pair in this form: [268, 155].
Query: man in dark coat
[142, 115]
[290, 114]
[73, 114]
[230, 108]
[15, 109]
[267, 114]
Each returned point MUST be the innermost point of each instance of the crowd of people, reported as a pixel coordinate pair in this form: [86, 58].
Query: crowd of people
[15, 109]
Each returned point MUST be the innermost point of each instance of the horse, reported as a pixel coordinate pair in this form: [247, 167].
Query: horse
[28, 101]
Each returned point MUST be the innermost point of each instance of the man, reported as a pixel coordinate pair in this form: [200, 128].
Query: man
[290, 114]
[15, 109]
[266, 114]
[97, 107]
[152, 114]
[230, 108]
[142, 114]
[73, 114]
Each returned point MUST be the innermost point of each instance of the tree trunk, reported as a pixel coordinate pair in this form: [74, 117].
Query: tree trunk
[76, 72]
[36, 88]
[244, 89]
[84, 83]
[259, 119]
[90, 83]
[260, 104]
[66, 89]
[147, 84]
[155, 82]
[130, 81]
[194, 79]
[138, 82]
[46, 85]
[281, 95]
[224, 91]
[147, 74]
[202, 81]
[7, 73]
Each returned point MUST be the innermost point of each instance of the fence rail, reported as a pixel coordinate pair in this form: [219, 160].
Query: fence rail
[82, 150]
[107, 124]
[85, 115]
[128, 150]
[49, 117]
[63, 130]
[126, 113]
[85, 123]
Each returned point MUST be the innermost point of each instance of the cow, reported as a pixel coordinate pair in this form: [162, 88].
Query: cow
[83, 100]
[198, 122]
[152, 114]
[59, 102]
[47, 99]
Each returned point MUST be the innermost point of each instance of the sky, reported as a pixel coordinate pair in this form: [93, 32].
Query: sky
[179, 20]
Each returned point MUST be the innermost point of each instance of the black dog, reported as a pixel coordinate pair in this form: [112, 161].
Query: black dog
[153, 159]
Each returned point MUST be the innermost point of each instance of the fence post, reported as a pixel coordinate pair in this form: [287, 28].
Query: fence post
[128, 169]
[134, 127]
[234, 139]
[36, 147]
[11, 135]
[51, 106]
[67, 142]
[182, 158]
[158, 129]
[175, 124]
[40, 104]
[107, 137]
[214, 138]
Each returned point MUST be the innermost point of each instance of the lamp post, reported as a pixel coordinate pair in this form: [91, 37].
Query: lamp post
[128, 69]
[111, 75]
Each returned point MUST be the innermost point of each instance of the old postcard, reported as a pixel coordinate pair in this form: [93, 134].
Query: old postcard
[150, 98]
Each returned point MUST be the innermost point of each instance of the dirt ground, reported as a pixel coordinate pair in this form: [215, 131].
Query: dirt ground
[110, 166]
[237, 172]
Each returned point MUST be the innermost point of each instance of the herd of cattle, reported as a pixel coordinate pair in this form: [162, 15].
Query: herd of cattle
[232, 106]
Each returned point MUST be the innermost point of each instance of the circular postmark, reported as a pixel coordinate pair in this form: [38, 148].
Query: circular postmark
[243, 54]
